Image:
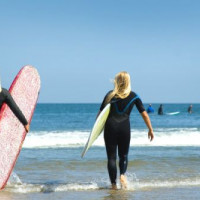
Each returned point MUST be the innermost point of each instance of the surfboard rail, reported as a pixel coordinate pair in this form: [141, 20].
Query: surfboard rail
[97, 128]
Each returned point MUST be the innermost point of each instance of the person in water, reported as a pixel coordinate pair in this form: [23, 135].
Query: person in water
[5, 97]
[190, 109]
[117, 127]
[150, 109]
[160, 110]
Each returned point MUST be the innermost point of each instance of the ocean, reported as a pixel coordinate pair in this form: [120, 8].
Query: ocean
[50, 164]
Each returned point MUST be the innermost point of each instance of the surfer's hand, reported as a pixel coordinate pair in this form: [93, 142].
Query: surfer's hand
[27, 128]
[150, 135]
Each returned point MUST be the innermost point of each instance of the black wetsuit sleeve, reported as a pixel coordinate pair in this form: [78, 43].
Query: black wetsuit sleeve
[103, 104]
[15, 109]
[139, 105]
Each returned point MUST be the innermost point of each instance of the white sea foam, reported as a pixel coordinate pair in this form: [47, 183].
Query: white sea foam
[164, 184]
[14, 179]
[72, 186]
[163, 137]
[138, 185]
[47, 188]
[16, 186]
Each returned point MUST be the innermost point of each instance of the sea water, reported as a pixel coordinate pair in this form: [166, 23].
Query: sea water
[50, 164]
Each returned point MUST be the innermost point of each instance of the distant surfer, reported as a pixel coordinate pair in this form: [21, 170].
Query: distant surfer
[117, 127]
[5, 97]
[160, 110]
[150, 109]
[190, 109]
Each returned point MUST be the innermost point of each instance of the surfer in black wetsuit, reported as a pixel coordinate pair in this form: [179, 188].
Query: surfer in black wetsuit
[5, 97]
[190, 109]
[160, 110]
[117, 127]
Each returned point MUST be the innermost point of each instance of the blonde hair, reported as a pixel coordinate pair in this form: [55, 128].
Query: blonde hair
[122, 86]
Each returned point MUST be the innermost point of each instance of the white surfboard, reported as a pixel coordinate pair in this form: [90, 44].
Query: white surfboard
[173, 113]
[97, 128]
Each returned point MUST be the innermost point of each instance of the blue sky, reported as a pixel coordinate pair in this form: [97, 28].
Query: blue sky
[79, 45]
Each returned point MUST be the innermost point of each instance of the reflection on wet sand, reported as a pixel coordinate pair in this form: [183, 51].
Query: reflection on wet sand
[117, 194]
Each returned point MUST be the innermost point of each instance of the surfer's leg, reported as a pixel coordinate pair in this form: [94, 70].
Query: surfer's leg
[111, 150]
[123, 148]
[123, 163]
[112, 167]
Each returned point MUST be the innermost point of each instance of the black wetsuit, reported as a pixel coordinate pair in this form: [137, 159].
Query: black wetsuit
[160, 110]
[117, 132]
[190, 109]
[5, 97]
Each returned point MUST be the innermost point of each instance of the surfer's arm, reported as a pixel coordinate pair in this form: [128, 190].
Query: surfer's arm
[147, 121]
[145, 117]
[15, 109]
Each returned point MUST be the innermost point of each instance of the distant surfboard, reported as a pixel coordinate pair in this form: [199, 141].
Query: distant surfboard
[97, 128]
[173, 113]
[24, 90]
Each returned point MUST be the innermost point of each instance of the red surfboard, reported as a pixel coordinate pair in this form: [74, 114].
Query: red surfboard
[24, 90]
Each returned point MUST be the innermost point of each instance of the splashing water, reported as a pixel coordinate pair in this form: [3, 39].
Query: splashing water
[14, 180]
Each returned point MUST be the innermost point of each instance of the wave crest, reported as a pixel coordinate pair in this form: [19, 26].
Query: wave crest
[163, 137]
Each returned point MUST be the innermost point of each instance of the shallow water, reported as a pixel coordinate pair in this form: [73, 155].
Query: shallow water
[50, 166]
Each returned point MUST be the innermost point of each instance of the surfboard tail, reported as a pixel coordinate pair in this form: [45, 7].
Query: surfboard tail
[85, 148]
[83, 152]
